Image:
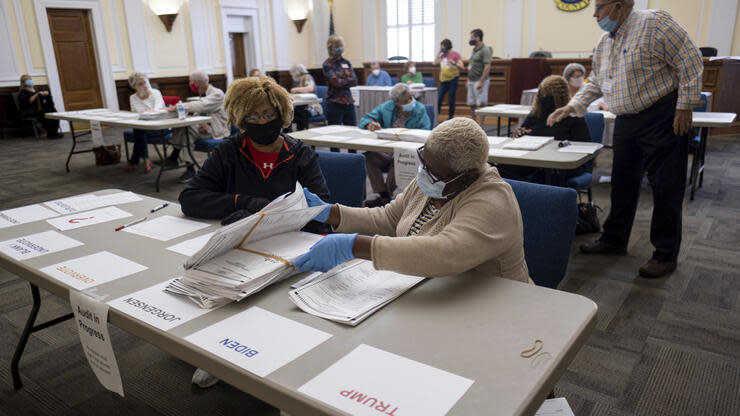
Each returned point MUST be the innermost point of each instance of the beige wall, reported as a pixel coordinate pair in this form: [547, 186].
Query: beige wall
[736, 41]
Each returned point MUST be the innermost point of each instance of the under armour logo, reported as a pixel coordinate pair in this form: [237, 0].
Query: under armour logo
[267, 166]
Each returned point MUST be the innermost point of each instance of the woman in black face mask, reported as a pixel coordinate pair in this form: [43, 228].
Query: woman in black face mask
[249, 170]
[552, 93]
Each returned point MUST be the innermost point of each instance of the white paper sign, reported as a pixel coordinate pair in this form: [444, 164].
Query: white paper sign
[257, 340]
[190, 247]
[23, 215]
[166, 227]
[83, 219]
[91, 317]
[96, 131]
[34, 245]
[90, 201]
[158, 308]
[88, 271]
[406, 165]
[372, 382]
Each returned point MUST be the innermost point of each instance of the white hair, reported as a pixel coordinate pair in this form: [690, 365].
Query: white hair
[135, 77]
[298, 69]
[199, 76]
[571, 68]
[462, 143]
[398, 91]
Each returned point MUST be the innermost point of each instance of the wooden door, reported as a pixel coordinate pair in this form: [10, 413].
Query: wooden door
[238, 57]
[71, 34]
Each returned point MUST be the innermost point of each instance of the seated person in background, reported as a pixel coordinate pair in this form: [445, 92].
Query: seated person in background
[145, 99]
[457, 215]
[574, 74]
[249, 170]
[35, 104]
[378, 77]
[551, 94]
[400, 111]
[211, 103]
[255, 72]
[410, 76]
[303, 83]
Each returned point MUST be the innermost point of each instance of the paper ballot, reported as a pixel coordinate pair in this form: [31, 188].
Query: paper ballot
[528, 143]
[403, 134]
[88, 271]
[83, 219]
[370, 382]
[506, 152]
[257, 340]
[351, 293]
[166, 227]
[494, 140]
[23, 215]
[190, 247]
[244, 257]
[587, 148]
[34, 245]
[90, 201]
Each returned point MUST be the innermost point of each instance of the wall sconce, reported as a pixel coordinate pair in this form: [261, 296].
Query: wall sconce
[167, 11]
[298, 12]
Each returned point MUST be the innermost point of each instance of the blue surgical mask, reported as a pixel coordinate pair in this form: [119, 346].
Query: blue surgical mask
[29, 83]
[608, 25]
[408, 107]
[424, 182]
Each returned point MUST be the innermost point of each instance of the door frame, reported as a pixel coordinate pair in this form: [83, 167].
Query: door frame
[105, 71]
[242, 9]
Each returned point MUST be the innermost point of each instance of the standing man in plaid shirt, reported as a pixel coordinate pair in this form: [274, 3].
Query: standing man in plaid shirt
[649, 73]
[340, 76]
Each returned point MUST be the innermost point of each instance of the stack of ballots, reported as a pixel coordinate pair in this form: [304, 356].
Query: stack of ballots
[403, 134]
[244, 257]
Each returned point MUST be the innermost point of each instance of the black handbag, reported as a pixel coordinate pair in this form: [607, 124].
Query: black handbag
[588, 220]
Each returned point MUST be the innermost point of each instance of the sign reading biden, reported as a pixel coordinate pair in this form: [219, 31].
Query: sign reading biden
[571, 5]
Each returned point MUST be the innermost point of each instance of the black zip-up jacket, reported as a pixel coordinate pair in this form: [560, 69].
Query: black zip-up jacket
[230, 179]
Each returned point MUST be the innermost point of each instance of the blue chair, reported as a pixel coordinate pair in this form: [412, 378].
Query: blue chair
[430, 113]
[394, 80]
[595, 122]
[429, 82]
[208, 144]
[321, 93]
[345, 177]
[548, 233]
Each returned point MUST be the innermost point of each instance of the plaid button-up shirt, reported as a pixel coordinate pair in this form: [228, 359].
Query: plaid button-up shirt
[649, 56]
[339, 75]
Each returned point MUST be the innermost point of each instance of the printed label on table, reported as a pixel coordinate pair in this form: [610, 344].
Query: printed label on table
[190, 247]
[406, 165]
[372, 382]
[257, 340]
[166, 227]
[158, 308]
[83, 219]
[91, 317]
[34, 245]
[90, 201]
[88, 271]
[23, 215]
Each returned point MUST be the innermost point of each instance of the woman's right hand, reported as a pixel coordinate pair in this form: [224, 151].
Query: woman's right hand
[521, 131]
[373, 126]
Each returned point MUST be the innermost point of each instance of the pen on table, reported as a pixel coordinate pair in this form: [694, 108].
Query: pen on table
[564, 143]
[157, 208]
[130, 224]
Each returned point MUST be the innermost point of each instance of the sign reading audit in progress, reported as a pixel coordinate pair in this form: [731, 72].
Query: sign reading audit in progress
[257, 340]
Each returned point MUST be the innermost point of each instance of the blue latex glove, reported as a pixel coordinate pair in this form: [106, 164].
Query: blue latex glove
[328, 252]
[313, 200]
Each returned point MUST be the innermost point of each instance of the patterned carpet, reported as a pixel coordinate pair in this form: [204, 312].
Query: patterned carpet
[664, 347]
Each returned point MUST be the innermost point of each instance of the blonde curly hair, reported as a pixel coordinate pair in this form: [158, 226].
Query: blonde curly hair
[246, 94]
[553, 86]
[333, 41]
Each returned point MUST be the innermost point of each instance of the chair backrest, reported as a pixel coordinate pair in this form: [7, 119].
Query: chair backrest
[708, 51]
[548, 233]
[703, 106]
[321, 91]
[345, 177]
[540, 54]
[394, 80]
[233, 130]
[430, 113]
[595, 123]
[429, 82]
[170, 100]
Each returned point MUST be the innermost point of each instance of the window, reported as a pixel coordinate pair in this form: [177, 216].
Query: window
[410, 30]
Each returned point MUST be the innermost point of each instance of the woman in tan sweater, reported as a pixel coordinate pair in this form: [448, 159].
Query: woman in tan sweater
[457, 215]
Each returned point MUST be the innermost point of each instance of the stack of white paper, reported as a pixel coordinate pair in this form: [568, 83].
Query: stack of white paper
[405, 135]
[90, 201]
[587, 148]
[157, 115]
[351, 293]
[528, 143]
[248, 255]
[494, 140]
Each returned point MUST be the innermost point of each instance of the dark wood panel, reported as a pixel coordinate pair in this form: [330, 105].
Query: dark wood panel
[169, 86]
[238, 58]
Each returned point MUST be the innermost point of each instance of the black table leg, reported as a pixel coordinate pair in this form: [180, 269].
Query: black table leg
[27, 331]
[187, 145]
[498, 126]
[72, 151]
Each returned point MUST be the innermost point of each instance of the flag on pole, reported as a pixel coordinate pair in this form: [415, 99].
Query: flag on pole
[331, 17]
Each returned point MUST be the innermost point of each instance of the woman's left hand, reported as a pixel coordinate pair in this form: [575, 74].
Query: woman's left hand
[330, 251]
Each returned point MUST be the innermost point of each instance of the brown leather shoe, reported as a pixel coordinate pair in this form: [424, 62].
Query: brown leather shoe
[656, 268]
[601, 247]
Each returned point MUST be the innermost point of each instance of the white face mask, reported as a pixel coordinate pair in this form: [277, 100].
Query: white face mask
[576, 82]
[376, 72]
[412, 70]
[424, 182]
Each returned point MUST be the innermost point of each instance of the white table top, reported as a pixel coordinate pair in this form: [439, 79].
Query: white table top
[492, 320]
[379, 88]
[354, 138]
[126, 119]
[305, 101]
[703, 119]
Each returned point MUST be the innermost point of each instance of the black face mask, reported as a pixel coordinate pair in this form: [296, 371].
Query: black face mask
[443, 50]
[547, 105]
[472, 42]
[264, 134]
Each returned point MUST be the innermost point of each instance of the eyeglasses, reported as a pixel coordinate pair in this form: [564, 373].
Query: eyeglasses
[266, 116]
[424, 165]
[599, 7]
